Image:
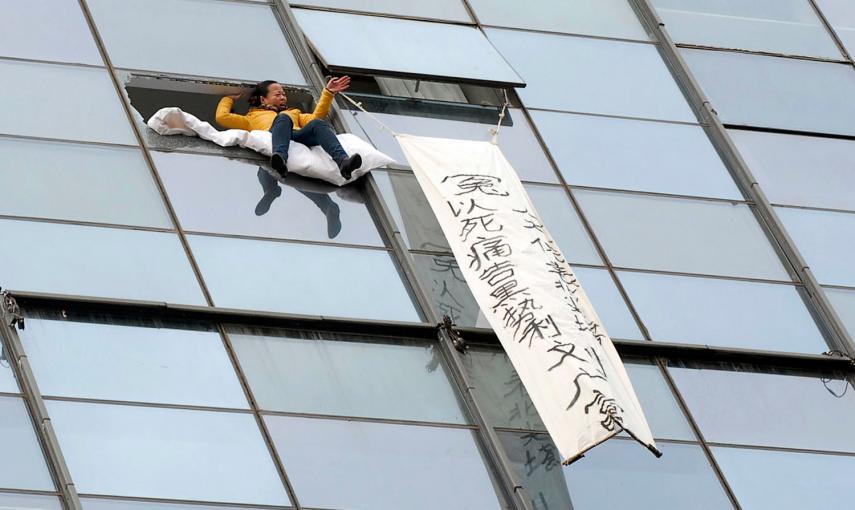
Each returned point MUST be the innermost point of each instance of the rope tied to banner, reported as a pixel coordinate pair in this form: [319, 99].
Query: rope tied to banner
[495, 130]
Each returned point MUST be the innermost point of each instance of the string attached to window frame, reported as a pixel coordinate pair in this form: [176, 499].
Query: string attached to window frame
[495, 130]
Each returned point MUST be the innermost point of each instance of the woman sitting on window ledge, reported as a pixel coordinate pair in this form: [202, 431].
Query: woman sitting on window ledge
[267, 112]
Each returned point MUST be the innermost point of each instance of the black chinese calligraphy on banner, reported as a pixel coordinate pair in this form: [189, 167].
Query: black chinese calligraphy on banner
[527, 289]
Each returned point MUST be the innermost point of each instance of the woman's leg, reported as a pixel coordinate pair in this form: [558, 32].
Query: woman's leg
[319, 132]
[282, 129]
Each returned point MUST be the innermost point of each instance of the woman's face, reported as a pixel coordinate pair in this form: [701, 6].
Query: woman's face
[275, 96]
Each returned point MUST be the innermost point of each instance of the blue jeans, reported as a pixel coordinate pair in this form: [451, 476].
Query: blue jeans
[316, 132]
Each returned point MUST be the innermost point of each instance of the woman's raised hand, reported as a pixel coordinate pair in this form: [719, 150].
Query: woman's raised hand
[339, 84]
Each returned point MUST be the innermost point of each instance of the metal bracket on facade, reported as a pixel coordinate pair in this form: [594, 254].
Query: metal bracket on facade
[12, 312]
[453, 333]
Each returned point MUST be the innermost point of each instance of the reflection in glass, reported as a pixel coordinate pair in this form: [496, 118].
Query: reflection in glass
[604, 18]
[230, 40]
[604, 152]
[672, 234]
[95, 114]
[826, 240]
[775, 480]
[47, 30]
[720, 312]
[137, 364]
[347, 376]
[94, 261]
[517, 141]
[230, 196]
[23, 466]
[166, 453]
[78, 182]
[800, 170]
[789, 27]
[381, 466]
[563, 223]
[411, 211]
[378, 45]
[452, 10]
[756, 408]
[773, 92]
[596, 76]
[616, 474]
[303, 279]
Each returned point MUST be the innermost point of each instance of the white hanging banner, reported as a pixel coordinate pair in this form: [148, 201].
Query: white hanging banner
[529, 293]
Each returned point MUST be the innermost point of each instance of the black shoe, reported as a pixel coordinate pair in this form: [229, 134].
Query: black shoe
[348, 165]
[278, 162]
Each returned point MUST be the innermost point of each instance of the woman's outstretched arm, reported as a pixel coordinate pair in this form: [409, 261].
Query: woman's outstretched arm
[230, 120]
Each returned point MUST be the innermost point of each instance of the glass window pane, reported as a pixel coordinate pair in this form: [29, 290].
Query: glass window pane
[564, 224]
[843, 302]
[608, 302]
[605, 18]
[348, 376]
[303, 279]
[103, 262]
[785, 93]
[47, 30]
[229, 40]
[762, 316]
[800, 170]
[137, 364]
[93, 115]
[411, 211]
[775, 480]
[166, 453]
[789, 27]
[79, 183]
[242, 197]
[29, 502]
[506, 403]
[756, 408]
[517, 142]
[381, 466]
[452, 10]
[23, 465]
[7, 376]
[604, 152]
[118, 504]
[404, 47]
[615, 474]
[672, 234]
[595, 76]
[841, 15]
[826, 240]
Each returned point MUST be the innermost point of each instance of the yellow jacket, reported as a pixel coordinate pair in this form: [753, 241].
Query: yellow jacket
[261, 118]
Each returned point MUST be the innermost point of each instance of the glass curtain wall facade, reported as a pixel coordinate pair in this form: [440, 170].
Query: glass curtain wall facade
[201, 336]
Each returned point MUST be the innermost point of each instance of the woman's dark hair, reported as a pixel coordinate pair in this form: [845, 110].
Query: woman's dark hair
[261, 89]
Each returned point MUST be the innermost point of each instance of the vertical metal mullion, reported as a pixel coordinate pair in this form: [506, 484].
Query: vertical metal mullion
[36, 406]
[514, 493]
[718, 135]
[831, 31]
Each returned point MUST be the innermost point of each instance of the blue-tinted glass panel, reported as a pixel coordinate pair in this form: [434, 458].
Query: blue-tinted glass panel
[826, 240]
[347, 376]
[517, 141]
[605, 18]
[303, 279]
[166, 453]
[138, 364]
[7, 376]
[89, 109]
[841, 15]
[47, 30]
[228, 39]
[764, 409]
[452, 10]
[604, 152]
[616, 474]
[762, 316]
[595, 76]
[93, 261]
[401, 46]
[843, 302]
[23, 465]
[800, 170]
[29, 502]
[608, 303]
[79, 183]
[775, 480]
[773, 92]
[563, 223]
[789, 27]
[672, 234]
[119, 504]
[231, 196]
[381, 466]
